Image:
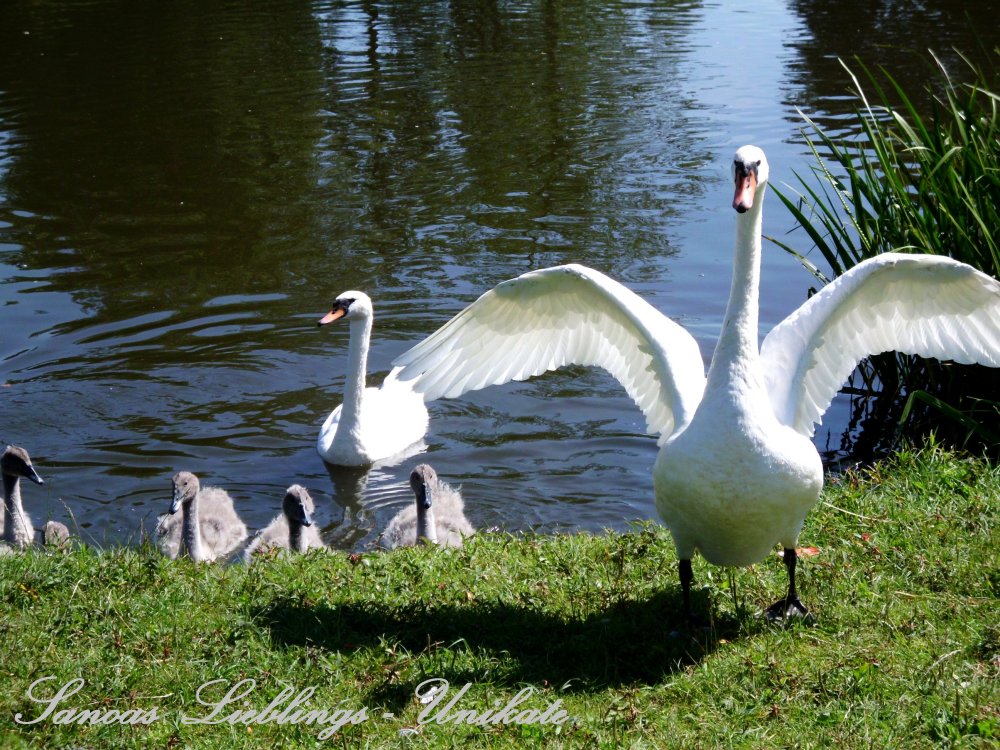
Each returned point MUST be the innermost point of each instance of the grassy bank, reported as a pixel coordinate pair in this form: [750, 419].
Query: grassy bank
[905, 651]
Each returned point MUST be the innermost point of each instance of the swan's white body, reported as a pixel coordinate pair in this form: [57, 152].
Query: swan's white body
[291, 530]
[737, 470]
[437, 515]
[16, 529]
[207, 526]
[372, 423]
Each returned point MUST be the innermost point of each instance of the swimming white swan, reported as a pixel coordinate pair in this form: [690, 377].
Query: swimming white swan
[372, 423]
[436, 517]
[292, 529]
[737, 471]
[207, 526]
[16, 531]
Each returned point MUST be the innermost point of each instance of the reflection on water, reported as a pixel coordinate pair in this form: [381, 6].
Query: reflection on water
[883, 33]
[183, 190]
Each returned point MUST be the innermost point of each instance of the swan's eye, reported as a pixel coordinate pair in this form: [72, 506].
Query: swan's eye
[758, 163]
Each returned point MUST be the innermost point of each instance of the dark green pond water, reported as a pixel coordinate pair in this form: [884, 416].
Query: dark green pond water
[184, 187]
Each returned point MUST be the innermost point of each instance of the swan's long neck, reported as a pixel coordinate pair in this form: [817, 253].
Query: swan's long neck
[357, 362]
[12, 509]
[426, 525]
[296, 539]
[191, 531]
[735, 364]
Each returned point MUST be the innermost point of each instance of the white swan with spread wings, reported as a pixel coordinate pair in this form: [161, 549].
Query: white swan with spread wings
[737, 470]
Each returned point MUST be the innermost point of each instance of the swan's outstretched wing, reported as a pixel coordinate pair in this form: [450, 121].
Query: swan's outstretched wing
[927, 305]
[560, 316]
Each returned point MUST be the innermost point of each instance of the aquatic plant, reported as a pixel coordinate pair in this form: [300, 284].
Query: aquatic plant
[917, 178]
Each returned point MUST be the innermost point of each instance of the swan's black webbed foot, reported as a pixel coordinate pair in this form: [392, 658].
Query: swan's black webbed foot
[787, 609]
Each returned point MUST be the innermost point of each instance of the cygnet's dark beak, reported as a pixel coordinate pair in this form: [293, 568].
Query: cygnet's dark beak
[425, 501]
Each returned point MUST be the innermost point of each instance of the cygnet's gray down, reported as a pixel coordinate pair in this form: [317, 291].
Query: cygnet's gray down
[437, 515]
[292, 529]
[206, 527]
[16, 531]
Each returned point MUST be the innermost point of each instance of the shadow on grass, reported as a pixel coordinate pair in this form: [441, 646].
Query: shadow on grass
[629, 642]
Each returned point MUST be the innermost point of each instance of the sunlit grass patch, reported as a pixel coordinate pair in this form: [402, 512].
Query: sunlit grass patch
[905, 649]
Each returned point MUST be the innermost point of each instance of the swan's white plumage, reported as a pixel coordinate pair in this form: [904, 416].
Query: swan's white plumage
[394, 405]
[567, 315]
[915, 304]
[371, 424]
[737, 471]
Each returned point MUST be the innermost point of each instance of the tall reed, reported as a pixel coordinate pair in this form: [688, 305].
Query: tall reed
[921, 179]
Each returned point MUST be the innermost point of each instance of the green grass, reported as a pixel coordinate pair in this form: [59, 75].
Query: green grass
[921, 178]
[905, 650]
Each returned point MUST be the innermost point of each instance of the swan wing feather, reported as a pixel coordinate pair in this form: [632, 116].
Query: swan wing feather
[553, 317]
[927, 305]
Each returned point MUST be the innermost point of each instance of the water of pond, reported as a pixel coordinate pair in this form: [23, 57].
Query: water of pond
[185, 187]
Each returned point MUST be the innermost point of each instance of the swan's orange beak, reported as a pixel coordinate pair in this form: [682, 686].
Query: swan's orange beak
[746, 186]
[334, 314]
